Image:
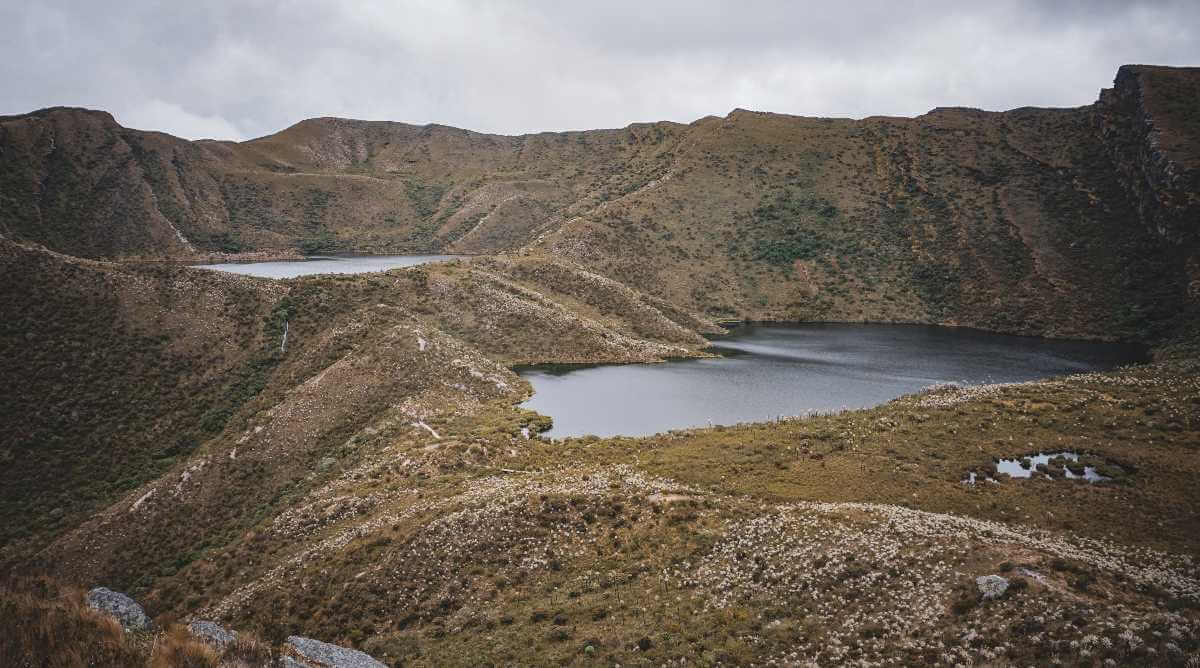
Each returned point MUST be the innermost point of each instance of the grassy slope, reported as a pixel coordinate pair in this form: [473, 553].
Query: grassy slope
[112, 375]
[327, 508]
[958, 216]
[360, 350]
[479, 545]
[50, 624]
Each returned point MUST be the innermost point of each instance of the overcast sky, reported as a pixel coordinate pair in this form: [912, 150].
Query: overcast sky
[237, 70]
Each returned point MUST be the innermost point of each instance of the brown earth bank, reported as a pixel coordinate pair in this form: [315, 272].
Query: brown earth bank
[1069, 222]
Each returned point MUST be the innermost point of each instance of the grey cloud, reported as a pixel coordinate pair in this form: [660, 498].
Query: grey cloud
[239, 70]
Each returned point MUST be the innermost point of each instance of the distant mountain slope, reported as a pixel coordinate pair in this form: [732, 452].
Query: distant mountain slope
[1150, 121]
[1019, 221]
[76, 181]
[1076, 222]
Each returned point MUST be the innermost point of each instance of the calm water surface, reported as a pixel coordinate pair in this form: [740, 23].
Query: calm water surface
[783, 370]
[325, 264]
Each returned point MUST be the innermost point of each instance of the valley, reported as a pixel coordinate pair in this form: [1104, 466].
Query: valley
[373, 479]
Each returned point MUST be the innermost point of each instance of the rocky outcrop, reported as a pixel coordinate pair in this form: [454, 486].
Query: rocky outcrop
[120, 607]
[300, 652]
[212, 633]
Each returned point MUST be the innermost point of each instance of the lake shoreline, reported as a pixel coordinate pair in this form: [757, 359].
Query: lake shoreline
[762, 371]
[251, 257]
[324, 264]
[731, 324]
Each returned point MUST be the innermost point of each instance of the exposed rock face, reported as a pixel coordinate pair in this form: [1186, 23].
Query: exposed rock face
[119, 606]
[1152, 139]
[991, 586]
[212, 633]
[309, 653]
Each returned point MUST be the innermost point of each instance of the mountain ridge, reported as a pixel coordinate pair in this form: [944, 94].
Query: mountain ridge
[938, 218]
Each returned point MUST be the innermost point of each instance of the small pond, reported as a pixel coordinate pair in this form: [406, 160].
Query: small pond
[1057, 464]
[772, 370]
[325, 264]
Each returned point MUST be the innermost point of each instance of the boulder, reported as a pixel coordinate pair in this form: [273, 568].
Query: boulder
[119, 606]
[309, 653]
[212, 633]
[991, 586]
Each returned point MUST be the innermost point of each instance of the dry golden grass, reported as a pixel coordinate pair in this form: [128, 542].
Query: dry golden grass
[44, 624]
[47, 624]
[176, 648]
[247, 651]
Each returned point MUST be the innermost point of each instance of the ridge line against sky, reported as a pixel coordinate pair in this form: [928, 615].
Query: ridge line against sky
[237, 70]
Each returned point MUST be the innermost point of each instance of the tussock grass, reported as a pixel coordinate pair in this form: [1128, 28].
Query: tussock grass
[176, 648]
[46, 623]
[43, 623]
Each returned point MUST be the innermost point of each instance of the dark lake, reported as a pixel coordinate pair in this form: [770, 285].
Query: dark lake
[776, 370]
[325, 264]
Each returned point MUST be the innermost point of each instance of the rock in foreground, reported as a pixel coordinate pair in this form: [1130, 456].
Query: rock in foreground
[118, 605]
[309, 653]
[212, 633]
[991, 586]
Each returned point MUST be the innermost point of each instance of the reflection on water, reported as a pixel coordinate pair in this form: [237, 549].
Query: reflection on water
[1044, 464]
[325, 264]
[1016, 468]
[769, 371]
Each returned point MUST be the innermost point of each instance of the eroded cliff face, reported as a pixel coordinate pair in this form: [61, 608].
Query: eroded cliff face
[1149, 121]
